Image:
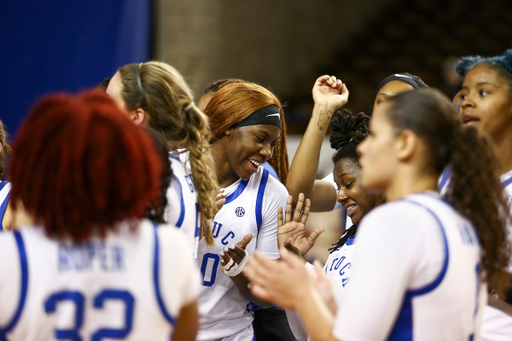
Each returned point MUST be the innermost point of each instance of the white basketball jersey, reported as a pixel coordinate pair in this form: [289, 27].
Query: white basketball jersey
[416, 275]
[338, 267]
[5, 194]
[130, 286]
[251, 207]
[182, 208]
[496, 325]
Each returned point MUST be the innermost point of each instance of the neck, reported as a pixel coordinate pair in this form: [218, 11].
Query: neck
[503, 150]
[225, 174]
[409, 181]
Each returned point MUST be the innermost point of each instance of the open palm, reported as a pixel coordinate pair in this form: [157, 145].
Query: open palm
[293, 230]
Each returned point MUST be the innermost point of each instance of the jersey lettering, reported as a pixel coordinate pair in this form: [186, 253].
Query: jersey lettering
[190, 183]
[209, 268]
[83, 257]
[216, 229]
[78, 299]
[224, 240]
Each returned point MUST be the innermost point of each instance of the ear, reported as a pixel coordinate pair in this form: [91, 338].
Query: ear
[138, 116]
[406, 145]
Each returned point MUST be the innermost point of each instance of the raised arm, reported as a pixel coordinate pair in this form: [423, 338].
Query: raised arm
[329, 95]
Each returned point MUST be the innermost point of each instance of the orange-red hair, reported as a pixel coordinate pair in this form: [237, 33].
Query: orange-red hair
[234, 102]
[79, 166]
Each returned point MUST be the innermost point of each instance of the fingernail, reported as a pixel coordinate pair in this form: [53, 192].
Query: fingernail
[221, 253]
[226, 249]
[232, 247]
[222, 261]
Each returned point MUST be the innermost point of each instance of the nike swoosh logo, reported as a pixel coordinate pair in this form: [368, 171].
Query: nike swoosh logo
[276, 114]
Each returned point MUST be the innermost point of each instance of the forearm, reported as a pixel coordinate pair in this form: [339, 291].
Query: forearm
[316, 317]
[304, 167]
[241, 282]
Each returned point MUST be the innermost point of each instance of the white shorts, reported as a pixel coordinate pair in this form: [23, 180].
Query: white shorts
[246, 334]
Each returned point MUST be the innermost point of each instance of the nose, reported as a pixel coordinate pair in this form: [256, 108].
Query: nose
[267, 151]
[342, 196]
[467, 102]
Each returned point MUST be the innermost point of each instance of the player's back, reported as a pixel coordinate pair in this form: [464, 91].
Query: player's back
[128, 286]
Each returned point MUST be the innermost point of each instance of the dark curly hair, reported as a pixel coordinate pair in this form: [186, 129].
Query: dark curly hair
[348, 130]
[474, 189]
[502, 64]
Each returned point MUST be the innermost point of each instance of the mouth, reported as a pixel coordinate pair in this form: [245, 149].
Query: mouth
[254, 165]
[351, 208]
[468, 119]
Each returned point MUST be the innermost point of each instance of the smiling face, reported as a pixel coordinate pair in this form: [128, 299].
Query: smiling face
[486, 102]
[351, 194]
[378, 160]
[246, 148]
[390, 89]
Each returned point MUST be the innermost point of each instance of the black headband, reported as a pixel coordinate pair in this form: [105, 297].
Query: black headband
[268, 115]
[402, 78]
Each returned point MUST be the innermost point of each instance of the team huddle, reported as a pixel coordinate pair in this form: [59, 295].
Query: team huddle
[131, 213]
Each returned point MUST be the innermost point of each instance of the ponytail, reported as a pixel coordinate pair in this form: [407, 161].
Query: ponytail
[476, 192]
[197, 131]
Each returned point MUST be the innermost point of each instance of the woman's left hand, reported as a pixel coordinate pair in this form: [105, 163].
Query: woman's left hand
[235, 257]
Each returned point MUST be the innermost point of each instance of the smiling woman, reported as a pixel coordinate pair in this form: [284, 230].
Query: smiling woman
[245, 120]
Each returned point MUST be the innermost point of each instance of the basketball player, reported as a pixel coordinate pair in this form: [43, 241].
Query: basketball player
[329, 95]
[91, 268]
[156, 95]
[486, 104]
[246, 124]
[421, 263]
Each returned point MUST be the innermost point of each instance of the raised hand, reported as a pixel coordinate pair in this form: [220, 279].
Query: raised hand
[293, 230]
[331, 91]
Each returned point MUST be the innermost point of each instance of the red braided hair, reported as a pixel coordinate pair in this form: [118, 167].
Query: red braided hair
[79, 166]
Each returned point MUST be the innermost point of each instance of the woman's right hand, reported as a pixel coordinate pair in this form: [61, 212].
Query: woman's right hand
[293, 230]
[331, 91]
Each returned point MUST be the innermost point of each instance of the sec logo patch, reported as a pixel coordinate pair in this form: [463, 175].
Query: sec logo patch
[239, 211]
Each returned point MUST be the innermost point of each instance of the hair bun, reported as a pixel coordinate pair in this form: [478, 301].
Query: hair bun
[465, 64]
[348, 128]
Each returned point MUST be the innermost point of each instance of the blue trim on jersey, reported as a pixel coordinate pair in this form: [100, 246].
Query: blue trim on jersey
[259, 198]
[4, 204]
[182, 201]
[350, 240]
[237, 192]
[156, 278]
[174, 157]
[24, 286]
[445, 177]
[271, 170]
[403, 329]
[507, 182]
